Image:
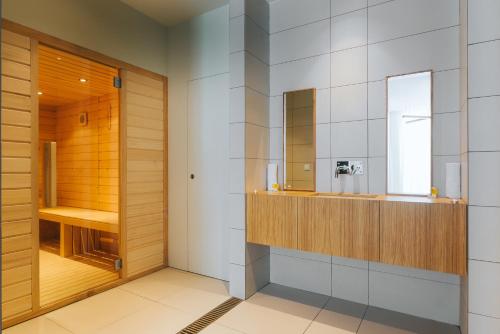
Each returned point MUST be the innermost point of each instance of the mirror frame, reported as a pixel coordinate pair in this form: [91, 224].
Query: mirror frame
[387, 131]
[284, 139]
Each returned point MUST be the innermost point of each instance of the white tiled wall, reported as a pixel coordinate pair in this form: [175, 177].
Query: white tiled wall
[483, 111]
[345, 49]
[249, 137]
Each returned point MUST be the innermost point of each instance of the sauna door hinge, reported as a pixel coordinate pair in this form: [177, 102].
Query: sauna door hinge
[118, 264]
[117, 82]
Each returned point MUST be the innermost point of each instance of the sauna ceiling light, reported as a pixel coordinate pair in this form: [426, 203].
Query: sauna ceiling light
[39, 93]
[83, 80]
[59, 58]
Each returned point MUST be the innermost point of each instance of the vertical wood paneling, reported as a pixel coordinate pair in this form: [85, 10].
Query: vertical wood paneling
[88, 156]
[19, 114]
[143, 174]
[272, 220]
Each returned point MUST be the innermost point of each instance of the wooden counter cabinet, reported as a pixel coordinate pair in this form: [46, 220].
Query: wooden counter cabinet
[272, 220]
[423, 235]
[339, 226]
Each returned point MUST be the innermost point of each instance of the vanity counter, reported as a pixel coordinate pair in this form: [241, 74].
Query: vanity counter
[411, 231]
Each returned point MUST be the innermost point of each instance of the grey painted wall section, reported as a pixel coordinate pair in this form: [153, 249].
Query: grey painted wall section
[108, 27]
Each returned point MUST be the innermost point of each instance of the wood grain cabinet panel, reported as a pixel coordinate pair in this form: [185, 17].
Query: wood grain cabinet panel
[426, 236]
[340, 227]
[272, 220]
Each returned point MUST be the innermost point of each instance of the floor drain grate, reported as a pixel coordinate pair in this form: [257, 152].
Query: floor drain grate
[203, 322]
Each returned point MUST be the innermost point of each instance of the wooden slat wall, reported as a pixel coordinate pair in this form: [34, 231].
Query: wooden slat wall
[88, 156]
[144, 172]
[18, 183]
[47, 133]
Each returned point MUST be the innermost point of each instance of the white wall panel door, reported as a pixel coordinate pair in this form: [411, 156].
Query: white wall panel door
[208, 173]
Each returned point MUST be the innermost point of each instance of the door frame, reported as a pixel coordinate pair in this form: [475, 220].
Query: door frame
[36, 38]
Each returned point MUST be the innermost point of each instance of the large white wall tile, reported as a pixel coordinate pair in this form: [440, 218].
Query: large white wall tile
[483, 23]
[349, 30]
[349, 67]
[237, 246]
[323, 141]
[237, 69]
[237, 34]
[293, 13]
[377, 99]
[446, 134]
[323, 175]
[446, 91]
[484, 69]
[236, 211]
[302, 274]
[237, 140]
[349, 103]
[484, 290]
[276, 143]
[276, 111]
[259, 12]
[415, 273]
[484, 181]
[237, 176]
[484, 123]
[237, 105]
[301, 254]
[301, 74]
[437, 50]
[350, 283]
[256, 107]
[345, 261]
[323, 106]
[349, 139]
[407, 17]
[479, 324]
[236, 8]
[344, 6]
[257, 275]
[255, 174]
[377, 138]
[256, 141]
[484, 229]
[237, 279]
[256, 74]
[418, 297]
[377, 175]
[256, 40]
[301, 42]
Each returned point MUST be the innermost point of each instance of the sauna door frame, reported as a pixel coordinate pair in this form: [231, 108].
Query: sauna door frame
[36, 38]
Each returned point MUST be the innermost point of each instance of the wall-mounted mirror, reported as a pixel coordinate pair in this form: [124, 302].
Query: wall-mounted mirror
[299, 140]
[409, 124]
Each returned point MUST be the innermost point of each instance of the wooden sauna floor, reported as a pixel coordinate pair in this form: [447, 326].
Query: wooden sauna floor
[62, 278]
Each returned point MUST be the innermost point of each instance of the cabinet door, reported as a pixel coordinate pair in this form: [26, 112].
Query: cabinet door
[340, 227]
[403, 233]
[314, 220]
[359, 229]
[427, 236]
[272, 220]
[447, 239]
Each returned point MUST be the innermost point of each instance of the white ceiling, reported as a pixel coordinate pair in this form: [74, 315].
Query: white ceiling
[171, 12]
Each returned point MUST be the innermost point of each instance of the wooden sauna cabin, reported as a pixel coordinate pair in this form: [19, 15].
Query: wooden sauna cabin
[84, 172]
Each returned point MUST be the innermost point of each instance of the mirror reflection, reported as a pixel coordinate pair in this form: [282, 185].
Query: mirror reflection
[409, 116]
[299, 140]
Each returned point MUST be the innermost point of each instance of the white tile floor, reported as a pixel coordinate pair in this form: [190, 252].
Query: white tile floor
[167, 301]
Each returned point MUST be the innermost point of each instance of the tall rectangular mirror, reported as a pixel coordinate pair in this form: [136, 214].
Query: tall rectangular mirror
[299, 140]
[409, 124]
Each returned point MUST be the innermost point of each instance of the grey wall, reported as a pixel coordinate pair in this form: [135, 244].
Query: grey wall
[345, 49]
[109, 27]
[482, 109]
